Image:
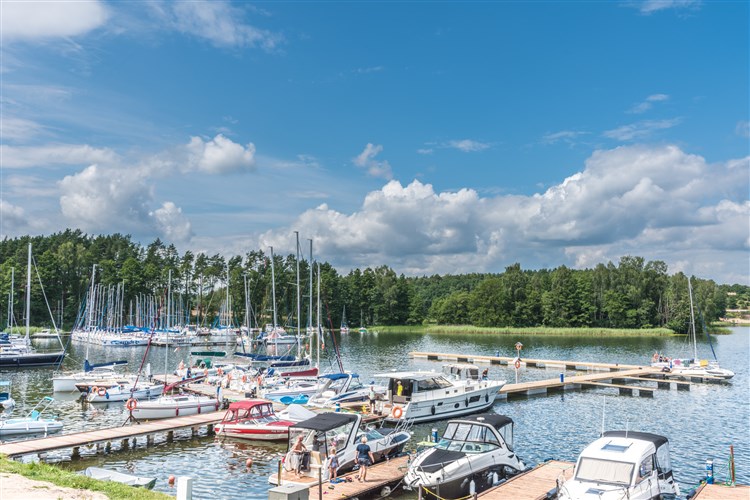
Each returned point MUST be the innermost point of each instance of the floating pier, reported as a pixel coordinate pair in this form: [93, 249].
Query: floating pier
[531, 485]
[537, 363]
[103, 438]
[722, 492]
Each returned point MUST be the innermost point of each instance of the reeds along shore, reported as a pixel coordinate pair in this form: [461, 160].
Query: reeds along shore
[542, 331]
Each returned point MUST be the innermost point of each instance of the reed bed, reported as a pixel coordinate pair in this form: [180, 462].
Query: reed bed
[541, 331]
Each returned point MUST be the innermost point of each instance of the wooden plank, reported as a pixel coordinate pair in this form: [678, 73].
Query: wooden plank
[537, 362]
[378, 475]
[722, 492]
[531, 485]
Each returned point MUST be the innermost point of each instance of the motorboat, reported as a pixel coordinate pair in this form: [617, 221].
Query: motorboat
[293, 388]
[339, 430]
[125, 391]
[622, 464]
[33, 423]
[340, 388]
[476, 449]
[90, 373]
[422, 396]
[6, 400]
[120, 477]
[167, 406]
[253, 419]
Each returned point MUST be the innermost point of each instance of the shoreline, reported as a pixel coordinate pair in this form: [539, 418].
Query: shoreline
[537, 331]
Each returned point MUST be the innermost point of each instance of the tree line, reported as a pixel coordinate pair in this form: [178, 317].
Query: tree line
[633, 293]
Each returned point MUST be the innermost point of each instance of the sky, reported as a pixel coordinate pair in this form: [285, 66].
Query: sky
[431, 137]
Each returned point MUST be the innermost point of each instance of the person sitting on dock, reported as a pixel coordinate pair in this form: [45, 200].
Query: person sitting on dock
[364, 459]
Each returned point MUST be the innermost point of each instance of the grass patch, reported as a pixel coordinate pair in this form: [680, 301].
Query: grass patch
[541, 331]
[41, 471]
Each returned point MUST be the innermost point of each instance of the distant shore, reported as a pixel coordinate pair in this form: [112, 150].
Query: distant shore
[541, 331]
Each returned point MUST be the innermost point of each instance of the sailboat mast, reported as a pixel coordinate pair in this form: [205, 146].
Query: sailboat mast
[12, 296]
[692, 321]
[296, 233]
[309, 311]
[317, 339]
[28, 296]
[273, 291]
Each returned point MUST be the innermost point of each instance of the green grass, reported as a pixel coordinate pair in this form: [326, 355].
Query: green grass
[41, 471]
[573, 332]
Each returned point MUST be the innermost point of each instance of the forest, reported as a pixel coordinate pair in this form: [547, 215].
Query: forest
[633, 293]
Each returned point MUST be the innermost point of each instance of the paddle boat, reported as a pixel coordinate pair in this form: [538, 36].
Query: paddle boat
[33, 423]
[253, 419]
[622, 464]
[120, 477]
[476, 449]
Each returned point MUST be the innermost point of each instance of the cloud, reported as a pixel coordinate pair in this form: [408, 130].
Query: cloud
[644, 106]
[219, 155]
[20, 129]
[28, 20]
[12, 219]
[55, 154]
[651, 6]
[171, 223]
[425, 151]
[217, 21]
[640, 130]
[366, 159]
[567, 136]
[467, 145]
[743, 129]
[655, 202]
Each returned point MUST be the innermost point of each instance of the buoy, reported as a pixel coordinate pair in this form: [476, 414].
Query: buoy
[249, 462]
[171, 480]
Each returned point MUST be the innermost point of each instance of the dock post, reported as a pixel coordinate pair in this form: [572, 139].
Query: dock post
[193, 431]
[184, 488]
[125, 444]
[320, 482]
[107, 446]
[419, 493]
[76, 453]
[150, 440]
[210, 429]
[170, 436]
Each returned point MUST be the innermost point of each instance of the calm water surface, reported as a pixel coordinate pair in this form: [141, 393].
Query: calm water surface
[700, 423]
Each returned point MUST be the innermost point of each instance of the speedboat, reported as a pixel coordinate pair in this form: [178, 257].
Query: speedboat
[622, 464]
[340, 388]
[6, 401]
[120, 477]
[171, 406]
[476, 449]
[33, 423]
[339, 430]
[423, 396]
[253, 419]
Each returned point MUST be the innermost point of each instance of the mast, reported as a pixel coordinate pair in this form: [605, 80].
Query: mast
[309, 312]
[28, 296]
[166, 346]
[296, 233]
[273, 290]
[228, 320]
[317, 362]
[692, 321]
[10, 302]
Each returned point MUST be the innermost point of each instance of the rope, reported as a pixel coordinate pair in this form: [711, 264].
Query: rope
[441, 498]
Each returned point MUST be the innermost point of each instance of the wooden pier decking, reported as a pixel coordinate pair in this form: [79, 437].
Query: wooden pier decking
[106, 436]
[531, 485]
[722, 492]
[378, 476]
[538, 363]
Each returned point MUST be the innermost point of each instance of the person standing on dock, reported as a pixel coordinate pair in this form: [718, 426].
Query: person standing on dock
[333, 464]
[371, 395]
[364, 459]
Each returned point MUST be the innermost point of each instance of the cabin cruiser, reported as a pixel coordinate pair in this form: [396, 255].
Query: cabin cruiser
[622, 464]
[342, 431]
[340, 388]
[33, 423]
[476, 449]
[423, 396]
[253, 419]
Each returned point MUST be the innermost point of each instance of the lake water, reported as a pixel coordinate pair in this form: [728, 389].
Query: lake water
[701, 423]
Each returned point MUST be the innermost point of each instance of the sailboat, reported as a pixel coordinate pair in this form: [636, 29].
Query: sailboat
[344, 325]
[23, 355]
[693, 367]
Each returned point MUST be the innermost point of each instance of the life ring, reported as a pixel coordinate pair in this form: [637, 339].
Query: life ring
[397, 412]
[102, 391]
[93, 389]
[131, 405]
[244, 379]
[517, 364]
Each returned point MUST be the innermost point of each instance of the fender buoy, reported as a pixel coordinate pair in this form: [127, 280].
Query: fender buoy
[219, 372]
[518, 364]
[432, 410]
[486, 398]
[131, 405]
[466, 401]
[102, 391]
[244, 379]
[397, 412]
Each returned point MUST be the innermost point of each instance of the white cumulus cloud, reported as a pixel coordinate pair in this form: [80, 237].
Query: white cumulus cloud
[366, 159]
[219, 155]
[30, 20]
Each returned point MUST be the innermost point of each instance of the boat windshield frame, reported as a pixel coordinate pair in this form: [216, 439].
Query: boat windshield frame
[470, 438]
[625, 483]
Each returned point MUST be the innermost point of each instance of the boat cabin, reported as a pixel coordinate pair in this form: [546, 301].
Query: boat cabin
[4, 391]
[477, 434]
[462, 371]
[405, 386]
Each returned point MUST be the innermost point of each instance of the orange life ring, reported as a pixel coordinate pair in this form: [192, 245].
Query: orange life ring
[518, 364]
[244, 379]
[397, 412]
[102, 391]
[132, 404]
[94, 389]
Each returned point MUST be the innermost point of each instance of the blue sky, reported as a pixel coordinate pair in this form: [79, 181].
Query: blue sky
[444, 137]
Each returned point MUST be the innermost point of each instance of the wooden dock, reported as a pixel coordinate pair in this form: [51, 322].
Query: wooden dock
[113, 434]
[531, 485]
[722, 492]
[537, 363]
[379, 476]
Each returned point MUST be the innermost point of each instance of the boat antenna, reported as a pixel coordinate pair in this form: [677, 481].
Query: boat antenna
[604, 407]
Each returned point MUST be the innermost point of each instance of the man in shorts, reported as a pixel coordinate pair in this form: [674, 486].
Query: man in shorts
[364, 459]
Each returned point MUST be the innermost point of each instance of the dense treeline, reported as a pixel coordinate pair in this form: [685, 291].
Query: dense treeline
[632, 294]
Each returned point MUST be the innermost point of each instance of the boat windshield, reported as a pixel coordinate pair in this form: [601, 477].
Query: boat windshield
[468, 438]
[596, 470]
[433, 383]
[259, 412]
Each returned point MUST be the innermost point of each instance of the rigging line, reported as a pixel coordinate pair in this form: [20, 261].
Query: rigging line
[333, 339]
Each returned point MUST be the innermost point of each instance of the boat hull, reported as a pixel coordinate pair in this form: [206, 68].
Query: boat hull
[260, 433]
[149, 411]
[450, 407]
[15, 427]
[31, 360]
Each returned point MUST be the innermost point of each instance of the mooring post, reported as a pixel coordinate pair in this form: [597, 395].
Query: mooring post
[150, 440]
[184, 488]
[76, 453]
[170, 436]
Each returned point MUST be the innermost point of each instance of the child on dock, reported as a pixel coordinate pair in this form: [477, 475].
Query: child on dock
[333, 465]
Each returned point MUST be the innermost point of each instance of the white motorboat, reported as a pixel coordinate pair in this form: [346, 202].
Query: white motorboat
[622, 464]
[292, 388]
[423, 396]
[340, 388]
[120, 477]
[6, 400]
[125, 391]
[91, 373]
[343, 431]
[477, 449]
[171, 406]
[253, 419]
[33, 423]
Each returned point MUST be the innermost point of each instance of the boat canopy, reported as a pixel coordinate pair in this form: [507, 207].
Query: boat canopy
[327, 421]
[422, 375]
[642, 436]
[87, 367]
[339, 376]
[493, 419]
[248, 403]
[216, 354]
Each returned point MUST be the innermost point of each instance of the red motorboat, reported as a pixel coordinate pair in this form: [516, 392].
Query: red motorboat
[253, 419]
